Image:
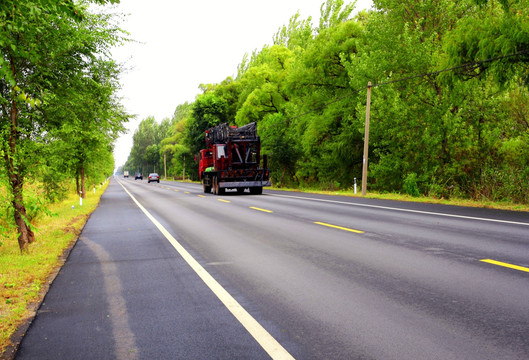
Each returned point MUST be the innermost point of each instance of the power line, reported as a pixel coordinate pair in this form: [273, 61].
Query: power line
[453, 68]
[353, 92]
[327, 104]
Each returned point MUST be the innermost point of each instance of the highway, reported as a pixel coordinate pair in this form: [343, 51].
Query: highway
[412, 285]
[332, 277]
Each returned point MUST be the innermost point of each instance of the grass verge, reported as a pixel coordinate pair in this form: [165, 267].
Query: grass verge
[25, 278]
[485, 203]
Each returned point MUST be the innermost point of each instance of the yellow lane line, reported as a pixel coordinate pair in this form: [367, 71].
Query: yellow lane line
[187, 192]
[259, 209]
[176, 190]
[340, 227]
[259, 333]
[201, 196]
[511, 266]
[226, 201]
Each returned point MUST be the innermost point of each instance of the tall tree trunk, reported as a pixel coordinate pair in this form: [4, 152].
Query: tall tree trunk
[77, 186]
[83, 190]
[25, 235]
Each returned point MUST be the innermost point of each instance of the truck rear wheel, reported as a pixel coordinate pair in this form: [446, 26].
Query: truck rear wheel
[215, 185]
[207, 188]
[217, 190]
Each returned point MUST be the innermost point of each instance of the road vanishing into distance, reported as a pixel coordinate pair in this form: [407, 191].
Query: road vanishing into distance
[293, 275]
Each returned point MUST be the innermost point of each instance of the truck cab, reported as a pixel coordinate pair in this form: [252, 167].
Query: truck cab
[205, 161]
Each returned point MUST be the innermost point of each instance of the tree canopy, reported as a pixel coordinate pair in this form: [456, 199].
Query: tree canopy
[449, 112]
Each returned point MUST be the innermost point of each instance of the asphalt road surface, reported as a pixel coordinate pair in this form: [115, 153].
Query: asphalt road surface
[163, 271]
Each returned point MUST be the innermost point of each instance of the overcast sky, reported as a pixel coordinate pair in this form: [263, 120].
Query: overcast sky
[184, 43]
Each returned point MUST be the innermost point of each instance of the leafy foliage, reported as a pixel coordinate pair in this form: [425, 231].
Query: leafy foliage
[450, 102]
[145, 153]
[59, 114]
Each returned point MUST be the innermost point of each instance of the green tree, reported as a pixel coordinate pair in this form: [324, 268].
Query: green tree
[444, 137]
[263, 85]
[278, 144]
[145, 153]
[296, 35]
[88, 118]
[172, 147]
[494, 39]
[412, 121]
[208, 110]
[317, 82]
[142, 138]
[41, 42]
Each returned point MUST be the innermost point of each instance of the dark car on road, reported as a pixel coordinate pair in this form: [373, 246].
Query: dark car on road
[138, 176]
[154, 177]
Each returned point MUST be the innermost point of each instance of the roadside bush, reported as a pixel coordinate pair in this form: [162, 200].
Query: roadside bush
[410, 185]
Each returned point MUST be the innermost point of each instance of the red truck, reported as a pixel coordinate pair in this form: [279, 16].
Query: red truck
[232, 160]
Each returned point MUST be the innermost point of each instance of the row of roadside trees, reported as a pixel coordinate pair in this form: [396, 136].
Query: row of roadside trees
[58, 107]
[449, 111]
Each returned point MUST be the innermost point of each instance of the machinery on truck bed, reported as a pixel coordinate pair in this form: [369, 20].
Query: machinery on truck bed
[232, 160]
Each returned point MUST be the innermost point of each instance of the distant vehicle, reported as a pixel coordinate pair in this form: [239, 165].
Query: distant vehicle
[125, 174]
[154, 177]
[138, 176]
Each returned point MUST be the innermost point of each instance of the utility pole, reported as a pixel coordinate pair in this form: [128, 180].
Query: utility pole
[184, 172]
[165, 166]
[366, 140]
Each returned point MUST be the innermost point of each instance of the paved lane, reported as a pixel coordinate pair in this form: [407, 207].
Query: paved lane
[385, 280]
[411, 286]
[124, 293]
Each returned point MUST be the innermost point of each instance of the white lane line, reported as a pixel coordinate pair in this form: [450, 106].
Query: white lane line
[404, 210]
[267, 342]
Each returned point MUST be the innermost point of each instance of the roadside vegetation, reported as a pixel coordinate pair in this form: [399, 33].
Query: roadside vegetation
[24, 278]
[449, 105]
[483, 203]
[59, 113]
